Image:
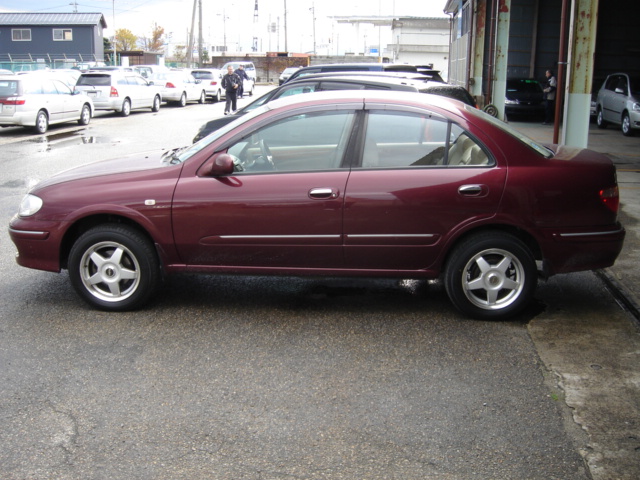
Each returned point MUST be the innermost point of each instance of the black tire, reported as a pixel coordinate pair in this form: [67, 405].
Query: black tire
[500, 266]
[156, 104]
[85, 115]
[217, 97]
[114, 267]
[126, 108]
[203, 97]
[42, 122]
[600, 121]
[183, 100]
[625, 125]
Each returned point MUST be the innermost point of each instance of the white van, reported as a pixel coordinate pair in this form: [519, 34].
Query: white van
[250, 68]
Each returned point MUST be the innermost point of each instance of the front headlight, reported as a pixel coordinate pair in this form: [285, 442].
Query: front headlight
[636, 107]
[30, 205]
[508, 101]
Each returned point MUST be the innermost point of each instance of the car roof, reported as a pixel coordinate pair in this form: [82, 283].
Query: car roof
[362, 74]
[356, 79]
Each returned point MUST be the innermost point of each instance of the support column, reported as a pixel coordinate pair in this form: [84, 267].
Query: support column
[582, 46]
[477, 53]
[501, 54]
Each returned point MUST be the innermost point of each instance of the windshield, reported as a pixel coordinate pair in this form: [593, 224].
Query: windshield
[538, 147]
[184, 154]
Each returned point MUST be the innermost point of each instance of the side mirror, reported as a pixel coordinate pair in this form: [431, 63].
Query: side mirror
[220, 165]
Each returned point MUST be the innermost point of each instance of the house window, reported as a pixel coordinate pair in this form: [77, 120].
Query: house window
[62, 35]
[21, 34]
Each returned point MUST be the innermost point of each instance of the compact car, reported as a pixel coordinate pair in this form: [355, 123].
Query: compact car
[39, 100]
[524, 98]
[286, 73]
[211, 80]
[179, 87]
[348, 183]
[120, 91]
[618, 102]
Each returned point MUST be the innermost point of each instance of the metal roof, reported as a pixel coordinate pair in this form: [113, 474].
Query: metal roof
[24, 19]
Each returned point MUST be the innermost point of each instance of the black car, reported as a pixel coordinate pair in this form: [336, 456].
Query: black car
[410, 82]
[524, 98]
[353, 67]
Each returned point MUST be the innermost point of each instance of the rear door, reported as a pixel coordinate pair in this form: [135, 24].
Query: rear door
[420, 179]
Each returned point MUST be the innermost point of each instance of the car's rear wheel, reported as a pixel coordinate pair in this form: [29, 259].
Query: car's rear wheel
[114, 267]
[156, 104]
[600, 121]
[126, 108]
[217, 97]
[85, 115]
[42, 122]
[183, 100]
[491, 276]
[203, 97]
[626, 125]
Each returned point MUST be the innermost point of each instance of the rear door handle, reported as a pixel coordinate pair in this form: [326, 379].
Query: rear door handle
[323, 193]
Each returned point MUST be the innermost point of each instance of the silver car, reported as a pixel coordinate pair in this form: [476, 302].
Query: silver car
[618, 103]
[120, 91]
[35, 100]
[179, 87]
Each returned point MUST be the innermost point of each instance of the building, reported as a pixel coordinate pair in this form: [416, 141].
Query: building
[36, 40]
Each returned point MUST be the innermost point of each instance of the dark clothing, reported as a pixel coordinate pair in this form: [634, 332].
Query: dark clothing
[243, 76]
[550, 99]
[231, 83]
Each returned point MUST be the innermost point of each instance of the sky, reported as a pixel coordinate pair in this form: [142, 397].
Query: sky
[233, 20]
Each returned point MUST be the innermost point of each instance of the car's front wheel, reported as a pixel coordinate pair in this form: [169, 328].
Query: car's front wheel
[600, 121]
[156, 104]
[491, 276]
[114, 267]
[85, 115]
[626, 125]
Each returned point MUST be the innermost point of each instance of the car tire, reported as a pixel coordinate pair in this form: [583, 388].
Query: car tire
[203, 97]
[156, 104]
[183, 100]
[500, 266]
[600, 121]
[126, 108]
[114, 267]
[85, 115]
[217, 97]
[42, 122]
[253, 84]
[625, 125]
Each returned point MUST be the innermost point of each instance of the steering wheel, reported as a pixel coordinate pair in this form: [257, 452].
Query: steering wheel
[266, 154]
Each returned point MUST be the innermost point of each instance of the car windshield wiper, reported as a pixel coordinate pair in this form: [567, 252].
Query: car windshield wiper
[171, 156]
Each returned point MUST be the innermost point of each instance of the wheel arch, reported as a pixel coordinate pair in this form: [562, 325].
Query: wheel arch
[86, 223]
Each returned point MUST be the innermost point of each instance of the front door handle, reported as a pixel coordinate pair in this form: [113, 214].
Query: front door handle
[323, 193]
[473, 190]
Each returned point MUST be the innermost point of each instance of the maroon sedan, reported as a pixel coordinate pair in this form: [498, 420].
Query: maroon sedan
[357, 183]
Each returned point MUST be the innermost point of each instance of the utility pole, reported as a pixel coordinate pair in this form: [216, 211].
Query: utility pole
[190, 42]
[286, 48]
[200, 35]
[255, 28]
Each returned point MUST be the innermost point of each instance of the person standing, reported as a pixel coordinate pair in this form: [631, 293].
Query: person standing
[243, 76]
[549, 98]
[231, 82]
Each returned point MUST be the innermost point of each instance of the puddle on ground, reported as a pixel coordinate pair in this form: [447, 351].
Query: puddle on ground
[68, 139]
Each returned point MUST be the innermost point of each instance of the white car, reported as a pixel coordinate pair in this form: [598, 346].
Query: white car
[39, 101]
[180, 87]
[120, 91]
[211, 79]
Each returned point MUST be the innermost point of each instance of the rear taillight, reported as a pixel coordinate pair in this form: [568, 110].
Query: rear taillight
[113, 92]
[611, 198]
[14, 101]
[214, 83]
[170, 85]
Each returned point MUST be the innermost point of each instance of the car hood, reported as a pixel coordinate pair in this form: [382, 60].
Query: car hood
[131, 163]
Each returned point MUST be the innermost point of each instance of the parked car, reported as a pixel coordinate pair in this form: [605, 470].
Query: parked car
[524, 98]
[348, 183]
[179, 87]
[147, 70]
[120, 91]
[344, 81]
[619, 103]
[211, 79]
[250, 69]
[286, 73]
[37, 101]
[353, 67]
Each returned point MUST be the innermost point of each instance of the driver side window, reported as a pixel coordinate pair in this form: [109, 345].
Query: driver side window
[306, 142]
